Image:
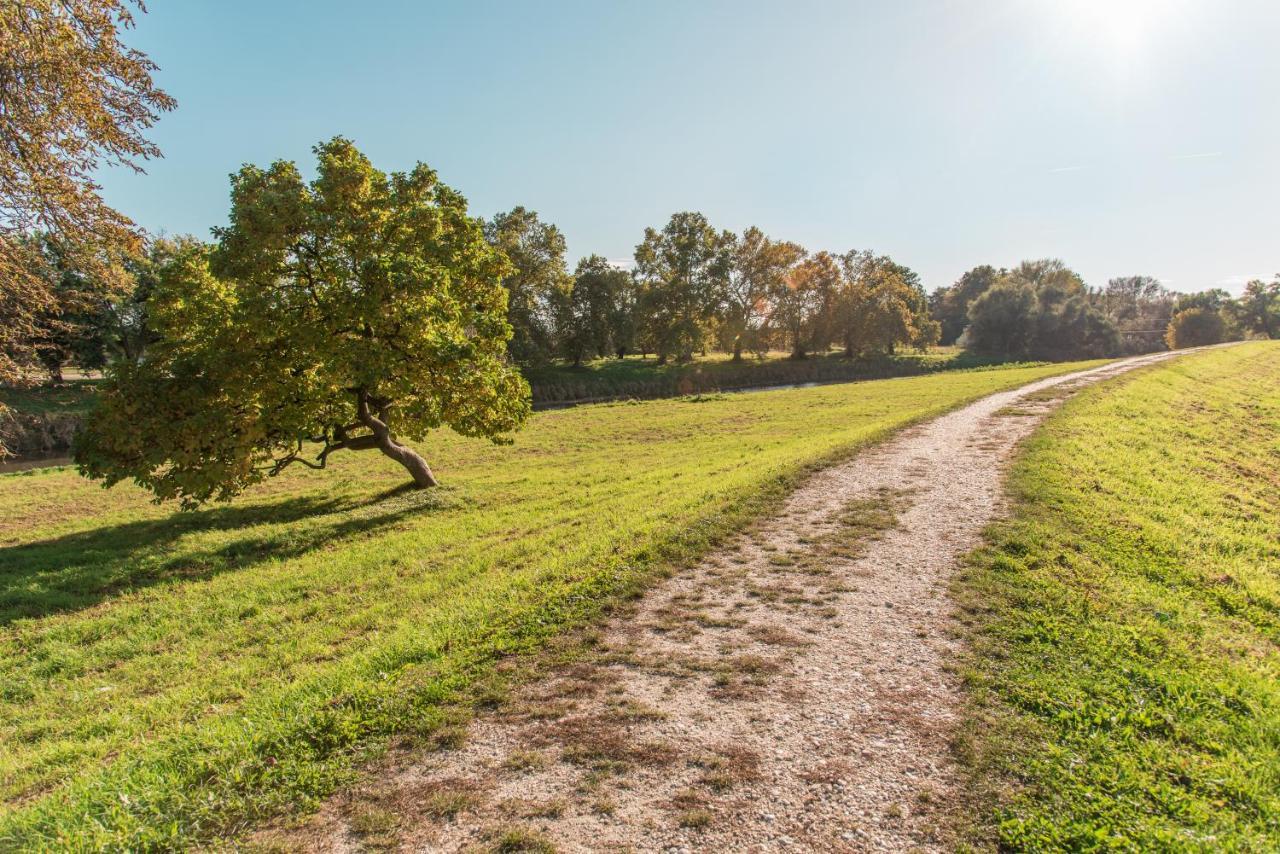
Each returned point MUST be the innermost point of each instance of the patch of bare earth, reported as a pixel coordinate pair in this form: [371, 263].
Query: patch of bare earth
[790, 692]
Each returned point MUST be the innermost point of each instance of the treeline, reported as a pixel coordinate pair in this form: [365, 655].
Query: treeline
[695, 288]
[1044, 310]
[692, 288]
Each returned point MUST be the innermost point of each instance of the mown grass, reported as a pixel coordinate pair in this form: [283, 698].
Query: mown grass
[168, 678]
[1125, 672]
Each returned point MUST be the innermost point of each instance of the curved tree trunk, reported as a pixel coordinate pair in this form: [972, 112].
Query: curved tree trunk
[403, 454]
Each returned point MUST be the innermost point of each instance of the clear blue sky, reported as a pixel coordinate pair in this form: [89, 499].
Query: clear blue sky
[1124, 136]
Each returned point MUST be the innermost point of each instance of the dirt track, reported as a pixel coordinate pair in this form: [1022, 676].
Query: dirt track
[790, 692]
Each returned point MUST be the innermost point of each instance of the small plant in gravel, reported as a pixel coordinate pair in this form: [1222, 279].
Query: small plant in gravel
[695, 819]
[519, 840]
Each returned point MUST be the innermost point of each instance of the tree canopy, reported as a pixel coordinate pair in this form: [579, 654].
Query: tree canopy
[350, 313]
[73, 98]
[683, 271]
[536, 283]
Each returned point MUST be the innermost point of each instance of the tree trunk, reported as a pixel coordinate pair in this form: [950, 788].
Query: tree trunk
[414, 464]
[404, 455]
[737, 349]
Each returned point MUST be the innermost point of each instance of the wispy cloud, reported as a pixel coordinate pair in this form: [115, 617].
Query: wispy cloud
[1067, 169]
[1203, 155]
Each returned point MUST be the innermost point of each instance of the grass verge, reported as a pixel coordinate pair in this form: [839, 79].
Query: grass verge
[1125, 624]
[171, 678]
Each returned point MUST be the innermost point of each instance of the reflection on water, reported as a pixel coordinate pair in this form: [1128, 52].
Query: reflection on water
[28, 463]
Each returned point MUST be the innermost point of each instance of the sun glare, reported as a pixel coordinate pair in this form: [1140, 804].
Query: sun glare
[1126, 27]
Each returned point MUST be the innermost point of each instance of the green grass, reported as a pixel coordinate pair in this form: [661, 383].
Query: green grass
[73, 398]
[1125, 676]
[166, 678]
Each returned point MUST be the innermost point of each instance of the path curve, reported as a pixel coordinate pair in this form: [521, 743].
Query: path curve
[791, 692]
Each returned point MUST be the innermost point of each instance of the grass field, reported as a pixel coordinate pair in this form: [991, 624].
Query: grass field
[1126, 670]
[168, 677]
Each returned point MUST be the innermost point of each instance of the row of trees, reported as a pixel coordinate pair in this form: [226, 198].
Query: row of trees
[695, 287]
[1043, 309]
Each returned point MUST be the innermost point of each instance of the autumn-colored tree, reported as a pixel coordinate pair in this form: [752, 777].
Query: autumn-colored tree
[877, 309]
[682, 271]
[537, 284]
[758, 267]
[1197, 326]
[803, 304]
[351, 313]
[73, 98]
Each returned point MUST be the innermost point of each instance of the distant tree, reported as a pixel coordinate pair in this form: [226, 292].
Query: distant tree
[537, 283]
[1140, 308]
[926, 330]
[1197, 326]
[759, 267]
[590, 312]
[803, 304]
[73, 98]
[350, 313]
[1052, 280]
[1073, 329]
[1002, 321]
[682, 272]
[1214, 299]
[950, 306]
[1258, 308]
[877, 307]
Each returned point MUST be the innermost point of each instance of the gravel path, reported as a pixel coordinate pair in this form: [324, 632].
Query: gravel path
[789, 693]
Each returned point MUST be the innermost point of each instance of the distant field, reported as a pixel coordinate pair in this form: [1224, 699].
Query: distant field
[168, 677]
[1126, 676]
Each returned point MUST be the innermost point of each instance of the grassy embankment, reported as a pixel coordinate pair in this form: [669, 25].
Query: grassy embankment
[168, 677]
[1126, 670]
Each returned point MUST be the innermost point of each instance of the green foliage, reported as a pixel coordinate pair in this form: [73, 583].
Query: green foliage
[1259, 308]
[1125, 623]
[537, 282]
[1040, 309]
[1196, 326]
[683, 271]
[950, 306]
[595, 316]
[758, 269]
[347, 313]
[167, 677]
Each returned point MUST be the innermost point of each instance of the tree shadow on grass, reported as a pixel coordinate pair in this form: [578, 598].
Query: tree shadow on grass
[79, 570]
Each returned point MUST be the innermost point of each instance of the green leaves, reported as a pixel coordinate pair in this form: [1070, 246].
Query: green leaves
[356, 286]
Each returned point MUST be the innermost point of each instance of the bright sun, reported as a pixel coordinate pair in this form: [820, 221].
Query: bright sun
[1122, 25]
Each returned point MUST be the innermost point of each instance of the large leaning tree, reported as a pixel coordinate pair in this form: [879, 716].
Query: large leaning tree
[352, 313]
